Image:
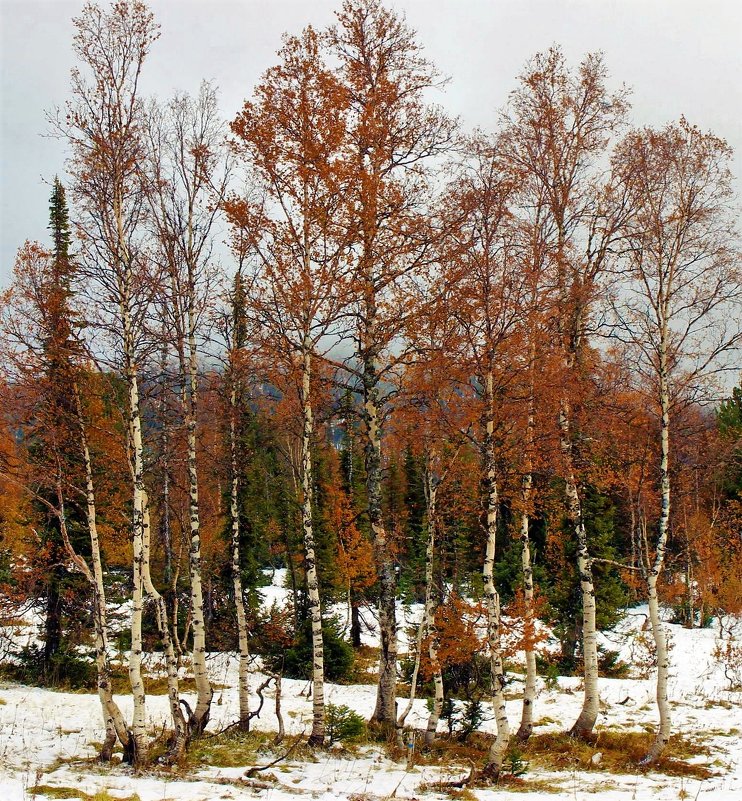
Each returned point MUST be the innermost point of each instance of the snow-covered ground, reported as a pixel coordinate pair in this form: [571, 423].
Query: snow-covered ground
[49, 738]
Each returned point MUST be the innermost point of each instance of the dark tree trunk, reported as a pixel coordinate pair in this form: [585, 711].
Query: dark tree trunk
[355, 626]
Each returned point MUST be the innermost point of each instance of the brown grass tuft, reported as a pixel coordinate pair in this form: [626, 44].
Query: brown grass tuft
[621, 752]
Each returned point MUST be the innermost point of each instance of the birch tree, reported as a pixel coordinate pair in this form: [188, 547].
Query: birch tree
[393, 138]
[536, 301]
[558, 125]
[236, 339]
[679, 310]
[102, 127]
[188, 173]
[292, 134]
[430, 413]
[487, 308]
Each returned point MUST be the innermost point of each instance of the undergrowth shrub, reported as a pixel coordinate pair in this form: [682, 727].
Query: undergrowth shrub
[515, 763]
[295, 659]
[342, 724]
[463, 719]
[609, 664]
[69, 669]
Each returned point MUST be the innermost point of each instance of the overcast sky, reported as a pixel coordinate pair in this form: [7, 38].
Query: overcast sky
[678, 56]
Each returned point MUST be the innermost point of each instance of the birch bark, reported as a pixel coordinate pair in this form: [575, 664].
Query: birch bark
[385, 712]
[658, 632]
[529, 692]
[138, 726]
[204, 691]
[499, 746]
[315, 606]
[426, 622]
[585, 723]
[239, 600]
[112, 717]
[181, 733]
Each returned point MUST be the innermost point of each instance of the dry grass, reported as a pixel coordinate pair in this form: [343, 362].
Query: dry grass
[233, 748]
[621, 752]
[528, 784]
[229, 749]
[720, 702]
[448, 750]
[51, 791]
[365, 665]
[153, 685]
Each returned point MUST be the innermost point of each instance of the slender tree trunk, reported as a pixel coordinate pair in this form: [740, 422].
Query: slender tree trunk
[315, 606]
[498, 748]
[529, 692]
[279, 716]
[138, 727]
[239, 600]
[138, 752]
[439, 697]
[181, 734]
[385, 712]
[165, 467]
[658, 632]
[177, 642]
[585, 723]
[355, 623]
[114, 720]
[53, 619]
[200, 716]
[426, 622]
[433, 643]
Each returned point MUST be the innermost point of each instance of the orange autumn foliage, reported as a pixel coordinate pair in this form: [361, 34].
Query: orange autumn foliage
[456, 623]
[354, 558]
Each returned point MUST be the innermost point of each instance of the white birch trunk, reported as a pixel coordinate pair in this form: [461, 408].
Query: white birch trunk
[439, 697]
[239, 601]
[658, 632]
[200, 675]
[315, 607]
[181, 733]
[498, 748]
[126, 281]
[114, 720]
[385, 711]
[585, 723]
[529, 691]
[426, 621]
[138, 726]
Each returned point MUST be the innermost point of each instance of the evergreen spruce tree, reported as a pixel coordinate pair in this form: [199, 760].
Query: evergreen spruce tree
[563, 589]
[729, 423]
[412, 578]
[56, 417]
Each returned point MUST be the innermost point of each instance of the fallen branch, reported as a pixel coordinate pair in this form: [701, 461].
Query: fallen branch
[252, 771]
[458, 784]
[259, 692]
[242, 781]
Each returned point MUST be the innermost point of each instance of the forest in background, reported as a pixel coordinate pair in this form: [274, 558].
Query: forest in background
[484, 372]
